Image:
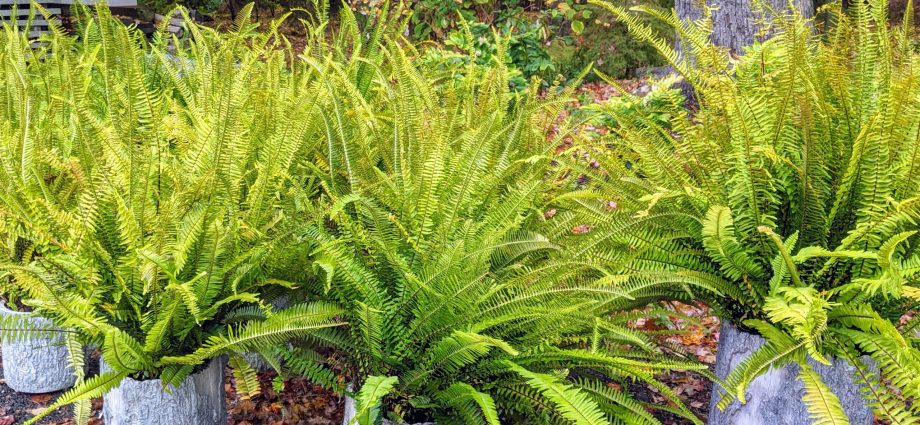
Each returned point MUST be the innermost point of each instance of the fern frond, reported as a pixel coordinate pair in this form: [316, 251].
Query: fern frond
[369, 398]
[823, 406]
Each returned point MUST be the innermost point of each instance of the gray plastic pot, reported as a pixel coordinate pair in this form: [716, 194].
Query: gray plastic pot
[776, 397]
[36, 365]
[198, 401]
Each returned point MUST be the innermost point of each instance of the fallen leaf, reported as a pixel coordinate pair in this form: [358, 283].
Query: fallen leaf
[581, 229]
[41, 398]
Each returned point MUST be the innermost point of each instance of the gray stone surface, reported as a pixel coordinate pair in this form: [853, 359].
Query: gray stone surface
[198, 401]
[37, 365]
[776, 397]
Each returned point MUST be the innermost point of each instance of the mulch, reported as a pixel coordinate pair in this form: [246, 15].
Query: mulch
[692, 332]
[299, 403]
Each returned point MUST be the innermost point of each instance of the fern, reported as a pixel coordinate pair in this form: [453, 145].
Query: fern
[573, 404]
[476, 407]
[431, 238]
[823, 405]
[780, 194]
[148, 204]
[369, 398]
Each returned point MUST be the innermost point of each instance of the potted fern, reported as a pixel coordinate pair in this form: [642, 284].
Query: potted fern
[788, 203]
[34, 357]
[459, 310]
[158, 192]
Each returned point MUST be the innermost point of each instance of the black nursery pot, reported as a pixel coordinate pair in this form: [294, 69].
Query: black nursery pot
[776, 397]
[36, 365]
[199, 400]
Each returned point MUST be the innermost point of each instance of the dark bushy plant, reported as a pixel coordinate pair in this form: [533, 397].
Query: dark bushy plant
[603, 43]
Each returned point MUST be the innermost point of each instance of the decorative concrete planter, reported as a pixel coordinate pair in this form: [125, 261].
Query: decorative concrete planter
[776, 397]
[198, 401]
[351, 412]
[38, 365]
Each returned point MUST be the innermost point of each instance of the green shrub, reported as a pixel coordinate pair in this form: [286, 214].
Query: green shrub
[788, 201]
[481, 46]
[656, 106]
[203, 6]
[435, 19]
[603, 43]
[548, 39]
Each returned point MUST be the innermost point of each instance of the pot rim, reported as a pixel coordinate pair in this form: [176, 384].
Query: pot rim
[4, 309]
[211, 362]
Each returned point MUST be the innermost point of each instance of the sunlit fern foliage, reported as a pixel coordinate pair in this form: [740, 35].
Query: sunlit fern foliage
[459, 310]
[788, 201]
[167, 187]
[155, 182]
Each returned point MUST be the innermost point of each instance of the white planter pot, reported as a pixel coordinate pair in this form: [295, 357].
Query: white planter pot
[198, 401]
[38, 365]
[776, 397]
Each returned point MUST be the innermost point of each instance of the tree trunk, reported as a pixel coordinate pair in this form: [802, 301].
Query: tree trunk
[776, 397]
[231, 6]
[736, 23]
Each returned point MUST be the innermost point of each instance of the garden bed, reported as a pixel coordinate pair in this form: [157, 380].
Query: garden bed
[302, 402]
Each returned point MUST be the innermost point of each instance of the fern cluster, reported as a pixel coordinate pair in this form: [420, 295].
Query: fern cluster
[169, 190]
[155, 191]
[788, 201]
[431, 236]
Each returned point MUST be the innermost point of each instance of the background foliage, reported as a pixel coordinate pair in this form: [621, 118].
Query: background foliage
[548, 38]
